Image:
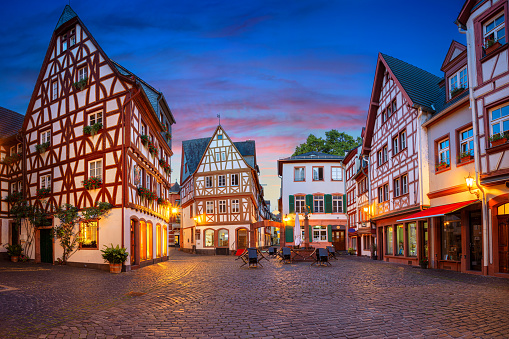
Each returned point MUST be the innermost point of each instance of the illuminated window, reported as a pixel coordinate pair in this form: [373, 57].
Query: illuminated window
[89, 235]
[210, 207]
[222, 238]
[158, 241]
[388, 240]
[150, 244]
[209, 238]
[143, 240]
[165, 241]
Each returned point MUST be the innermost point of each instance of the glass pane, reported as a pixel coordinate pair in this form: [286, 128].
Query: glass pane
[499, 21]
[506, 125]
[400, 239]
[501, 33]
[490, 26]
[495, 114]
[504, 111]
[496, 128]
[412, 240]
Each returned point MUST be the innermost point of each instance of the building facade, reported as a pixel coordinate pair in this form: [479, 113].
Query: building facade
[314, 182]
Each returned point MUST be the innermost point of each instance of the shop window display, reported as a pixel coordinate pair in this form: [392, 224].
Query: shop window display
[223, 238]
[412, 239]
[388, 238]
[400, 240]
[451, 237]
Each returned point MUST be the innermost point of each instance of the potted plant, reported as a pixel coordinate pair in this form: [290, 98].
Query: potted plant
[490, 44]
[466, 156]
[41, 148]
[144, 139]
[115, 256]
[92, 183]
[498, 139]
[43, 193]
[442, 165]
[424, 263]
[166, 167]
[14, 251]
[92, 129]
[13, 197]
[351, 251]
[80, 84]
[374, 256]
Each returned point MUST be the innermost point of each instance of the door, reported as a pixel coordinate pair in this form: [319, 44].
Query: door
[338, 240]
[475, 245]
[242, 239]
[14, 234]
[425, 241]
[133, 243]
[177, 240]
[503, 243]
[46, 245]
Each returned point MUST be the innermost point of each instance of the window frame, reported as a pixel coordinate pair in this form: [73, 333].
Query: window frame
[236, 206]
[95, 118]
[340, 173]
[93, 221]
[222, 207]
[396, 187]
[45, 180]
[498, 121]
[395, 145]
[82, 72]
[235, 182]
[318, 168]
[299, 207]
[445, 150]
[404, 184]
[221, 180]
[495, 29]
[54, 89]
[95, 161]
[459, 83]
[303, 173]
[209, 182]
[402, 137]
[337, 199]
[317, 199]
[207, 205]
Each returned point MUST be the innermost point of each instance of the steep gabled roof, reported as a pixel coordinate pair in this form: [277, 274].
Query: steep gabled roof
[175, 188]
[10, 122]
[455, 49]
[67, 14]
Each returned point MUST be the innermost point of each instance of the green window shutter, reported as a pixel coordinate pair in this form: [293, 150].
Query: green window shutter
[291, 202]
[289, 234]
[310, 234]
[329, 233]
[328, 203]
[344, 203]
[309, 201]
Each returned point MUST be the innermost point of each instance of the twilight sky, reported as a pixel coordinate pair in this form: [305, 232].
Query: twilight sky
[275, 70]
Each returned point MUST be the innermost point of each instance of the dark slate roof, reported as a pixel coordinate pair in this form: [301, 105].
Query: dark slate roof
[152, 94]
[442, 103]
[175, 187]
[67, 15]
[195, 148]
[10, 122]
[314, 155]
[420, 85]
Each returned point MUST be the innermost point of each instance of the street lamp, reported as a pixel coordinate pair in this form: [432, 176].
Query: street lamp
[470, 185]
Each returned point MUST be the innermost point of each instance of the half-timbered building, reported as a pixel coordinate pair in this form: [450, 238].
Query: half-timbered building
[221, 195]
[96, 132]
[11, 164]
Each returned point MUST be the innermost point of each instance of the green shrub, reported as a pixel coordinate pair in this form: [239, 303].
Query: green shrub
[115, 255]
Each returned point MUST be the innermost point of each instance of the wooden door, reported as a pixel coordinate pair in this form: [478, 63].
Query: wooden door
[503, 243]
[338, 240]
[133, 243]
[14, 234]
[242, 239]
[46, 246]
[475, 238]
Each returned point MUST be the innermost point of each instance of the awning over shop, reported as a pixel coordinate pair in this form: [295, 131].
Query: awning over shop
[352, 232]
[438, 211]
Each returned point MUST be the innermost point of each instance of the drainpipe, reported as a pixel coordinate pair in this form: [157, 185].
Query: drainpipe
[419, 158]
[485, 231]
[368, 177]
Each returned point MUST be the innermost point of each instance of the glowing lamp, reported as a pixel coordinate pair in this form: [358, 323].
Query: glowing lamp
[470, 181]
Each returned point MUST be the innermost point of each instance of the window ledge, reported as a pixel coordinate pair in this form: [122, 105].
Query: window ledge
[493, 53]
[496, 149]
[448, 168]
[463, 163]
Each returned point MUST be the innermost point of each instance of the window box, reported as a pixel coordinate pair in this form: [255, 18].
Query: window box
[144, 139]
[41, 148]
[166, 167]
[491, 46]
[43, 193]
[92, 183]
[441, 166]
[466, 157]
[457, 91]
[147, 194]
[498, 139]
[13, 197]
[10, 159]
[92, 129]
[80, 85]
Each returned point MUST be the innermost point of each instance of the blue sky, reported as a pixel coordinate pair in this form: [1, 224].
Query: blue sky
[275, 70]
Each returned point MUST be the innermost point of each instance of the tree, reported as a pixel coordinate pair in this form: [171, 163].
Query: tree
[336, 143]
[68, 232]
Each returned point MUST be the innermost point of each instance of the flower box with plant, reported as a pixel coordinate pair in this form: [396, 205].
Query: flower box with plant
[498, 139]
[456, 91]
[166, 167]
[115, 256]
[152, 149]
[13, 197]
[92, 129]
[88, 244]
[490, 44]
[41, 148]
[146, 193]
[441, 165]
[144, 139]
[466, 156]
[11, 159]
[92, 183]
[43, 193]
[424, 263]
[166, 132]
[80, 85]
[14, 251]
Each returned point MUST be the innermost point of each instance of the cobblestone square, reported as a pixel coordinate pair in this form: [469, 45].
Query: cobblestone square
[193, 296]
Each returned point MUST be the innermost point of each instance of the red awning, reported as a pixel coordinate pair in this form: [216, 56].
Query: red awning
[438, 211]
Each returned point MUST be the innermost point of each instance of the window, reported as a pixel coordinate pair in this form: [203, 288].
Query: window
[412, 239]
[72, 38]
[95, 168]
[210, 207]
[451, 237]
[219, 137]
[385, 154]
[208, 182]
[235, 179]
[300, 202]
[337, 204]
[404, 184]
[380, 195]
[45, 136]
[458, 82]
[467, 142]
[191, 211]
[222, 206]
[298, 174]
[319, 233]
[499, 120]
[386, 192]
[389, 110]
[235, 206]
[158, 241]
[317, 173]
[395, 148]
[380, 158]
[83, 73]
[384, 116]
[46, 181]
[443, 152]
[218, 156]
[209, 238]
[221, 180]
[223, 156]
[494, 31]
[89, 235]
[148, 182]
[394, 106]
[54, 89]
[388, 240]
[400, 240]
[318, 203]
[222, 238]
[96, 118]
[402, 140]
[396, 187]
[143, 129]
[20, 148]
[337, 173]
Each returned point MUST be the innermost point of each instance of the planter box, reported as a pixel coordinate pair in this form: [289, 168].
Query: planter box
[14, 258]
[442, 167]
[492, 48]
[467, 159]
[115, 268]
[498, 142]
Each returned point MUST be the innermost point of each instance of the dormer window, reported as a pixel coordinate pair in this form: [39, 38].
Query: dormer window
[458, 82]
[68, 39]
[494, 31]
[72, 38]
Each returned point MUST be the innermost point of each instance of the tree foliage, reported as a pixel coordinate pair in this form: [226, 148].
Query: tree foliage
[335, 142]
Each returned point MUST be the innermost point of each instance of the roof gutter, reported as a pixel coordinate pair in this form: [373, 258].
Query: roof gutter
[445, 111]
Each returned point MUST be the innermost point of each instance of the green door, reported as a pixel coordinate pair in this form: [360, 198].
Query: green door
[46, 246]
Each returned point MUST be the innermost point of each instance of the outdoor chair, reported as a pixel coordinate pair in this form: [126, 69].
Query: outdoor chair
[286, 255]
[242, 255]
[321, 257]
[272, 251]
[260, 253]
[252, 258]
[332, 252]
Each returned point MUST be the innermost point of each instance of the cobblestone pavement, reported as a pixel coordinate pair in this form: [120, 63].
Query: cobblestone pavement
[205, 296]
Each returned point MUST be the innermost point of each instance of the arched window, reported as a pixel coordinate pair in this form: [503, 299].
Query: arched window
[222, 238]
[150, 242]
[503, 209]
[209, 238]
[143, 240]
[158, 241]
[165, 241]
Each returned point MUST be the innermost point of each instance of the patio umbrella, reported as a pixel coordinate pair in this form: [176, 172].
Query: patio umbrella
[297, 236]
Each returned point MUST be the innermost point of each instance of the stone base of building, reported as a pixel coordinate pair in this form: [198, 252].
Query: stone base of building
[106, 266]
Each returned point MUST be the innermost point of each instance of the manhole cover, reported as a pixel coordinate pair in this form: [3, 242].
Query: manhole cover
[135, 294]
